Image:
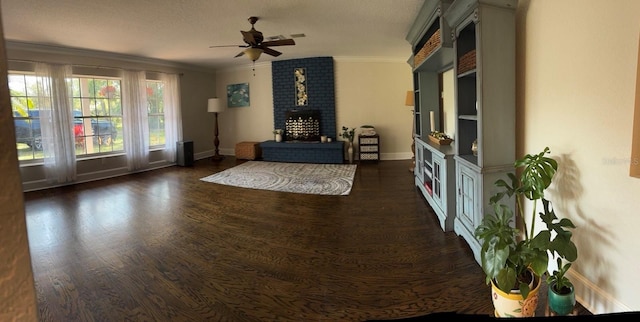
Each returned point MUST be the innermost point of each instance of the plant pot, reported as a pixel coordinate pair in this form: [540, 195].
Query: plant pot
[513, 304]
[278, 137]
[561, 304]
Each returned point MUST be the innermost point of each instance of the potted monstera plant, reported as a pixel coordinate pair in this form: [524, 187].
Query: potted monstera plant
[514, 255]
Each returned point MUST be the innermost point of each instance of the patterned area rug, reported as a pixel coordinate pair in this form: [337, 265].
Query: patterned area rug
[309, 178]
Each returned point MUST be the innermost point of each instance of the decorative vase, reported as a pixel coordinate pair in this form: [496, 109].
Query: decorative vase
[513, 304]
[278, 137]
[350, 152]
[474, 147]
[561, 304]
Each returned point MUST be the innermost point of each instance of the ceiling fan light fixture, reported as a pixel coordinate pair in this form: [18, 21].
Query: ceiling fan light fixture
[253, 53]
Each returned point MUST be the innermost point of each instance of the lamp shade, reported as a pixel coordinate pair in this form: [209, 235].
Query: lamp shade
[409, 100]
[253, 53]
[214, 105]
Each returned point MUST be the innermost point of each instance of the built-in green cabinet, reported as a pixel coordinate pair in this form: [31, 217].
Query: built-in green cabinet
[432, 54]
[484, 65]
[477, 39]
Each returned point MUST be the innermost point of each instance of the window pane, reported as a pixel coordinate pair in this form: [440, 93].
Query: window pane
[98, 113]
[156, 130]
[32, 88]
[17, 85]
[25, 112]
[155, 108]
[115, 107]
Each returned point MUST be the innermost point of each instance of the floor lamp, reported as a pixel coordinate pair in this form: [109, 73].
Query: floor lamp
[409, 102]
[215, 107]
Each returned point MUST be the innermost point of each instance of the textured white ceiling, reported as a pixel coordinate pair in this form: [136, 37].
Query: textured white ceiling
[182, 30]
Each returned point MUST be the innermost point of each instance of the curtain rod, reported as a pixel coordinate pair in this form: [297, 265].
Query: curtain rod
[88, 66]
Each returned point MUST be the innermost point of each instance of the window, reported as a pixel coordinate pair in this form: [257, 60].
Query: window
[155, 106]
[96, 108]
[22, 88]
[97, 111]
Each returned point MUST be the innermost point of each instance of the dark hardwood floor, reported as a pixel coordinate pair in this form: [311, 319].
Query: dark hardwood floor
[165, 246]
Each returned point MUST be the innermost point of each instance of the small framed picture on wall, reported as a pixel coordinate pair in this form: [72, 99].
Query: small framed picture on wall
[238, 95]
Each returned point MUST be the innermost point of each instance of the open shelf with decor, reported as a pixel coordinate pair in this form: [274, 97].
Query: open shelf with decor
[417, 115]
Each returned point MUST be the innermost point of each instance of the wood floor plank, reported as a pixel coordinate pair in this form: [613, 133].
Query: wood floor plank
[164, 246]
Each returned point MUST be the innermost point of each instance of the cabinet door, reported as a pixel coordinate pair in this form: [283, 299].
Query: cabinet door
[419, 171]
[467, 197]
[437, 181]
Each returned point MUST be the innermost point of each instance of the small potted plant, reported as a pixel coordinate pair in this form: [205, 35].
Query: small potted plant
[561, 295]
[278, 134]
[349, 135]
[515, 261]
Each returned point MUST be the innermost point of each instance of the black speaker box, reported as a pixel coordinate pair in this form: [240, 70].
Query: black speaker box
[184, 149]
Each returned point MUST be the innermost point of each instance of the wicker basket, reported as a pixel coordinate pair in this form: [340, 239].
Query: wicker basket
[467, 62]
[432, 44]
[440, 141]
[248, 150]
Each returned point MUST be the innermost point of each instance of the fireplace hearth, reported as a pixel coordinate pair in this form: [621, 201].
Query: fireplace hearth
[302, 126]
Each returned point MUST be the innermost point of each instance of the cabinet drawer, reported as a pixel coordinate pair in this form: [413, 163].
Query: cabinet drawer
[368, 156]
[368, 140]
[369, 148]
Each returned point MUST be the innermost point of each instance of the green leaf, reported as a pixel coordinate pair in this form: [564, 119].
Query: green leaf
[506, 279]
[524, 289]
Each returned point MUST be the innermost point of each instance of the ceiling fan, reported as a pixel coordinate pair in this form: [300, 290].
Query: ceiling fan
[256, 45]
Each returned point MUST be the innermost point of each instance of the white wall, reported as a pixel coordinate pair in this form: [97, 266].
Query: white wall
[252, 123]
[576, 75]
[367, 92]
[373, 93]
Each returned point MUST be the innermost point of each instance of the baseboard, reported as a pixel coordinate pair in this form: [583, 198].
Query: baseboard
[593, 298]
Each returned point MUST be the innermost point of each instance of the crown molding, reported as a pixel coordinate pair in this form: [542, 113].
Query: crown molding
[95, 54]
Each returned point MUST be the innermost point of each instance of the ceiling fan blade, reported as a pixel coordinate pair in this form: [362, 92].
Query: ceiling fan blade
[248, 38]
[239, 54]
[241, 46]
[283, 42]
[270, 51]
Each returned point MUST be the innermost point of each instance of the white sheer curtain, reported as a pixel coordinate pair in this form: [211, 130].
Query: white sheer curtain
[56, 122]
[172, 115]
[135, 119]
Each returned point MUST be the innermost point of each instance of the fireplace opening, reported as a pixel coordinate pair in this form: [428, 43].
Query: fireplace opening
[302, 126]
